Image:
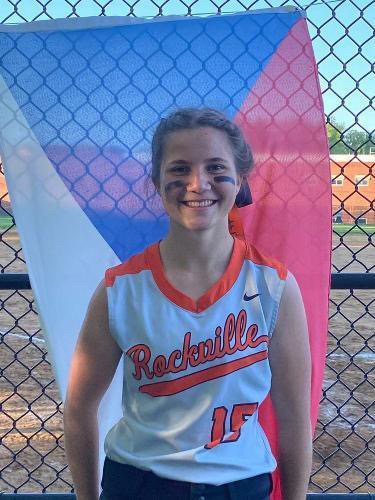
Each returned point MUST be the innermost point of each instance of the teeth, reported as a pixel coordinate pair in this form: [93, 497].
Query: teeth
[204, 203]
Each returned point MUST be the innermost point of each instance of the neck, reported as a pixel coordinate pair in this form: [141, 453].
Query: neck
[195, 250]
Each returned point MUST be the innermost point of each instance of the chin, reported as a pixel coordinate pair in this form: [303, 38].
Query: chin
[199, 225]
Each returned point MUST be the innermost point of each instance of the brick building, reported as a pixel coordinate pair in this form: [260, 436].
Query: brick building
[353, 188]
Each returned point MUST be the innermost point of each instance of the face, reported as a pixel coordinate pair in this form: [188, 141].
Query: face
[198, 178]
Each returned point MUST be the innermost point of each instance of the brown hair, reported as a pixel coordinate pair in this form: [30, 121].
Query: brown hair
[191, 118]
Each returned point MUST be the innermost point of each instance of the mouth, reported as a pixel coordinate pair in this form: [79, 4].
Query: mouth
[199, 204]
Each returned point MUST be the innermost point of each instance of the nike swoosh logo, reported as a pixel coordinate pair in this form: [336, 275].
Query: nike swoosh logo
[247, 297]
[170, 387]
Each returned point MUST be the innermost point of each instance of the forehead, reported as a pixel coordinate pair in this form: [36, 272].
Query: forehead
[196, 145]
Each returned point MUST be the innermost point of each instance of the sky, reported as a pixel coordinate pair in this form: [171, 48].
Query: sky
[347, 67]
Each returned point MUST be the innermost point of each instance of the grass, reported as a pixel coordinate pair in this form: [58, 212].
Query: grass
[5, 222]
[359, 229]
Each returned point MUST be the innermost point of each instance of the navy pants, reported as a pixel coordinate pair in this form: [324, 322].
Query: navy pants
[125, 482]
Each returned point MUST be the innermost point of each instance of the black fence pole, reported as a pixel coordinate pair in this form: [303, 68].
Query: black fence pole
[63, 496]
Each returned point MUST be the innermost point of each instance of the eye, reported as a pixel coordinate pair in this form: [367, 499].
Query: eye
[179, 169]
[216, 167]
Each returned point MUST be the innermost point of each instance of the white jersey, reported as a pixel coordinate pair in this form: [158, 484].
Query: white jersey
[195, 372]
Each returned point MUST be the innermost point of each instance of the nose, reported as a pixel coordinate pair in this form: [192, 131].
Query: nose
[198, 181]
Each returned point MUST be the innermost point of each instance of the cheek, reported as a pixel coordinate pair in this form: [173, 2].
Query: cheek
[173, 185]
[172, 191]
[227, 183]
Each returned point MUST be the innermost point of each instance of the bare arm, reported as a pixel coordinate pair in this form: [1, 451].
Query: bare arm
[94, 364]
[290, 392]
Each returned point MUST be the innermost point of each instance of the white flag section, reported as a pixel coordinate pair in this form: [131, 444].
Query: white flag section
[66, 256]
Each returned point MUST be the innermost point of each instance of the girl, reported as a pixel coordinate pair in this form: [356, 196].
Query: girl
[203, 321]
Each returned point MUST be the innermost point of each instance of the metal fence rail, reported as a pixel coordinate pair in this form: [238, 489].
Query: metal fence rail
[31, 443]
[358, 281]
[57, 496]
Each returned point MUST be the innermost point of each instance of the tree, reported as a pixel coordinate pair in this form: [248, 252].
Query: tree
[359, 141]
[352, 142]
[335, 135]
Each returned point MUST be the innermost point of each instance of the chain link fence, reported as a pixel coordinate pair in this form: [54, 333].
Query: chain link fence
[32, 444]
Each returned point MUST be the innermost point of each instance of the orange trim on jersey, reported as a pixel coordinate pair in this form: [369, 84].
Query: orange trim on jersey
[150, 260]
[235, 225]
[177, 385]
[217, 291]
[258, 258]
[134, 265]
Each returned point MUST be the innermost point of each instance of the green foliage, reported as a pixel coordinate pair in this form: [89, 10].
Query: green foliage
[335, 135]
[359, 141]
[352, 141]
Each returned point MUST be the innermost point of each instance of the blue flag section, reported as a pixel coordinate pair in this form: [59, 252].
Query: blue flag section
[93, 98]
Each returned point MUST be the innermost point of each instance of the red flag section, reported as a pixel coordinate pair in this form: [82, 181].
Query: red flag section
[290, 219]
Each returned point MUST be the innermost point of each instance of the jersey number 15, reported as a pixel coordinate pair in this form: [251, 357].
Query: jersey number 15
[237, 419]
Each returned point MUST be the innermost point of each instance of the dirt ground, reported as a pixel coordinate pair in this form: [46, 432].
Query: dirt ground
[32, 446]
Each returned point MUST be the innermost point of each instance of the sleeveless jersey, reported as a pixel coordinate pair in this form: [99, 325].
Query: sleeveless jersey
[195, 372]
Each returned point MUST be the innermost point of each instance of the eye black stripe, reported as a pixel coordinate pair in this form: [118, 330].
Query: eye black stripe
[173, 185]
[224, 178]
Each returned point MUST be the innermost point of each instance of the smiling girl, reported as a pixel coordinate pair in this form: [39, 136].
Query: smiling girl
[208, 327]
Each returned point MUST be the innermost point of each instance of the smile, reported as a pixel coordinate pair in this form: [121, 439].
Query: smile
[198, 204]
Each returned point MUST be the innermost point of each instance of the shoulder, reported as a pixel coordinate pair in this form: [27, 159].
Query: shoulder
[133, 265]
[252, 254]
[98, 303]
[292, 315]
[292, 293]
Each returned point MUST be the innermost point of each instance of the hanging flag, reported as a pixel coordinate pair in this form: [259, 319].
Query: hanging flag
[79, 100]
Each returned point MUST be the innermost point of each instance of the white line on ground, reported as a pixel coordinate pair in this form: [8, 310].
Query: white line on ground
[360, 355]
[33, 339]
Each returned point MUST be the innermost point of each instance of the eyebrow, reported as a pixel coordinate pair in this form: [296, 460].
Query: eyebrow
[216, 159]
[184, 162]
